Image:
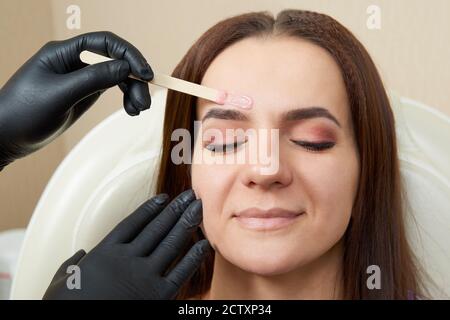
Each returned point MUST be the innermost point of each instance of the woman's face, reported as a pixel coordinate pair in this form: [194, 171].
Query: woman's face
[298, 89]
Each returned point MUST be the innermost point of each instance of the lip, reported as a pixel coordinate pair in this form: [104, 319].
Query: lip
[266, 220]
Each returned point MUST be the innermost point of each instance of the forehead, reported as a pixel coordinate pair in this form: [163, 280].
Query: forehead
[279, 73]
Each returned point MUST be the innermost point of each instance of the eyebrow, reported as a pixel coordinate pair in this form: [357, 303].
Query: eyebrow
[291, 115]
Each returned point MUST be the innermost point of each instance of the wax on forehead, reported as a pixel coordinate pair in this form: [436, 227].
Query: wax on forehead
[237, 100]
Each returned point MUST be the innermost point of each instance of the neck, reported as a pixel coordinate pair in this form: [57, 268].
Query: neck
[320, 279]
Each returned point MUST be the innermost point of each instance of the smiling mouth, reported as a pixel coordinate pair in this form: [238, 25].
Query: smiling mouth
[266, 220]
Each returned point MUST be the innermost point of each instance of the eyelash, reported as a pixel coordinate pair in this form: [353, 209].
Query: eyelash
[224, 147]
[310, 146]
[315, 146]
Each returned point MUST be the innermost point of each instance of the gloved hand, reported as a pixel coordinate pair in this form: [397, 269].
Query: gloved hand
[54, 88]
[131, 261]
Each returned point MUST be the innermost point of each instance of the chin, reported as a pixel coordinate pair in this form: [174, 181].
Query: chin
[267, 269]
[267, 263]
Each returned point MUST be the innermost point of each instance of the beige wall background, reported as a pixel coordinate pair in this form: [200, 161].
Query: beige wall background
[411, 50]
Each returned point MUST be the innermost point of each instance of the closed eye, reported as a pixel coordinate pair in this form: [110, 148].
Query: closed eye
[315, 146]
[224, 148]
[310, 146]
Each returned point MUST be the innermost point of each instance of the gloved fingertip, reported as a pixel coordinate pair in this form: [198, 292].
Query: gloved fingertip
[161, 198]
[193, 215]
[81, 252]
[146, 72]
[132, 112]
[143, 105]
[197, 214]
[204, 246]
[75, 258]
[129, 107]
[187, 196]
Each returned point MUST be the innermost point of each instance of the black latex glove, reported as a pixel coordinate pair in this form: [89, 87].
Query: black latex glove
[54, 88]
[132, 261]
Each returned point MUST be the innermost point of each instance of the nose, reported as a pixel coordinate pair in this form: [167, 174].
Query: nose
[252, 177]
[269, 171]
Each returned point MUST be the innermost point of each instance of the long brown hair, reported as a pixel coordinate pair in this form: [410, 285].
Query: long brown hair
[376, 233]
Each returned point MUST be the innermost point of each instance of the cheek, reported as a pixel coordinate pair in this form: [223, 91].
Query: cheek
[332, 185]
[211, 183]
[211, 179]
